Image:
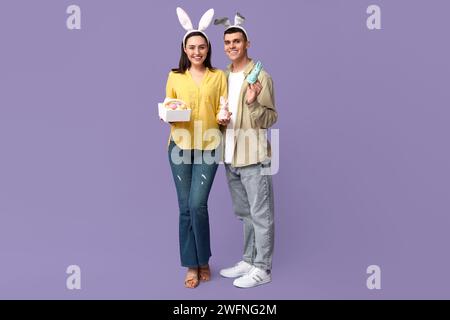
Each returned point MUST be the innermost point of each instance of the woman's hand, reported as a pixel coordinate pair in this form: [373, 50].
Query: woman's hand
[225, 122]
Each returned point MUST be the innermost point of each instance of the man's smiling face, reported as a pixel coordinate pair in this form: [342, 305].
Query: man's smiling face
[235, 46]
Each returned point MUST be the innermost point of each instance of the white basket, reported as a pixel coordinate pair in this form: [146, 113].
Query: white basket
[168, 115]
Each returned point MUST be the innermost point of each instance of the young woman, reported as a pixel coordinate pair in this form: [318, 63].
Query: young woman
[200, 86]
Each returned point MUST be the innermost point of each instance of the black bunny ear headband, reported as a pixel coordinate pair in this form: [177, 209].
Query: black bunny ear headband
[238, 22]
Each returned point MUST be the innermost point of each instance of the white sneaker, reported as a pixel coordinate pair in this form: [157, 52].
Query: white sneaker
[253, 278]
[238, 270]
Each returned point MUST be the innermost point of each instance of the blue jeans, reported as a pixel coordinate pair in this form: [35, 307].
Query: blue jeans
[193, 181]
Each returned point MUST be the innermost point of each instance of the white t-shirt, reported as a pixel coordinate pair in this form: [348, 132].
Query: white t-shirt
[235, 81]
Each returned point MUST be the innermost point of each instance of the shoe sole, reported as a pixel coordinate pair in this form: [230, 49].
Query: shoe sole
[256, 285]
[232, 277]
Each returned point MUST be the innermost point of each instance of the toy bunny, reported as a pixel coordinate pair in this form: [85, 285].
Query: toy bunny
[224, 113]
[253, 76]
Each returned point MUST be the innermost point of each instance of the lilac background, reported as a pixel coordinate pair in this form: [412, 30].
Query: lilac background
[365, 165]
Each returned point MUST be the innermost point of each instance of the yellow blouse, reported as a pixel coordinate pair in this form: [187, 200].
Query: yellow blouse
[204, 101]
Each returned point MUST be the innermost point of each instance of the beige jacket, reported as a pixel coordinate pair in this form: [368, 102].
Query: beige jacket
[250, 143]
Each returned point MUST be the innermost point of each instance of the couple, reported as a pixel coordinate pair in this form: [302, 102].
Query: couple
[251, 107]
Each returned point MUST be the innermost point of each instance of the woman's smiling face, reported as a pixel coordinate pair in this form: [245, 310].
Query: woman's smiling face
[196, 50]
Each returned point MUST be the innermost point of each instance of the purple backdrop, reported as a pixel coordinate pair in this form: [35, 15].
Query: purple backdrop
[364, 163]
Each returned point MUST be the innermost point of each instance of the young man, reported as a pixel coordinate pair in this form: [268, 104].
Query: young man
[247, 159]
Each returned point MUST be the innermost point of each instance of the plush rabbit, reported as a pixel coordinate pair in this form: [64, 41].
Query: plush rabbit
[186, 22]
[224, 113]
[253, 76]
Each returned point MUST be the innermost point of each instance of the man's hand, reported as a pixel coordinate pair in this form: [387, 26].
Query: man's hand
[253, 91]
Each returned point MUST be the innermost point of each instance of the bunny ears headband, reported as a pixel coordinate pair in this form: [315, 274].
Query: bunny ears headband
[238, 22]
[186, 22]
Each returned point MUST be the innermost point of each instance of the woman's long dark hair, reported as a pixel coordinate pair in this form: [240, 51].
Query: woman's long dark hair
[185, 64]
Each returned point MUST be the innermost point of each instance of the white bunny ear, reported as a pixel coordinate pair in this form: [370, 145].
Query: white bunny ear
[206, 20]
[239, 19]
[185, 21]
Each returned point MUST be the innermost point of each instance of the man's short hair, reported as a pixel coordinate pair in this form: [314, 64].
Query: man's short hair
[234, 30]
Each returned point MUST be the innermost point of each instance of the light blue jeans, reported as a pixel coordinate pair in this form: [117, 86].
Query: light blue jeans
[253, 203]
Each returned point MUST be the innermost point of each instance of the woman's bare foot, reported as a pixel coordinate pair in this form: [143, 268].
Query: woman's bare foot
[191, 281]
[204, 273]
